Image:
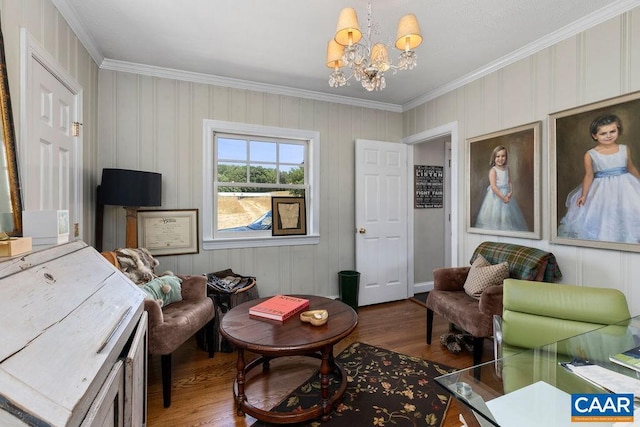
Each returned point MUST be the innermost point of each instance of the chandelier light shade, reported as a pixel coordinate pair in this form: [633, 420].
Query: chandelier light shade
[366, 59]
[334, 54]
[380, 57]
[348, 30]
[409, 36]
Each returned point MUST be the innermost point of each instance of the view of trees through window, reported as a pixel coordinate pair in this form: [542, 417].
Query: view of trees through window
[248, 173]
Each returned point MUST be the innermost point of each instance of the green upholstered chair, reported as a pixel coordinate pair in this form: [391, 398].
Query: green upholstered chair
[536, 314]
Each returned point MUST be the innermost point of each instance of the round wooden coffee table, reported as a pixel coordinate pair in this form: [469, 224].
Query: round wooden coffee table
[271, 339]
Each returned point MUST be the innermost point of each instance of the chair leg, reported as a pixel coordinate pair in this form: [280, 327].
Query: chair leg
[429, 325]
[209, 331]
[165, 362]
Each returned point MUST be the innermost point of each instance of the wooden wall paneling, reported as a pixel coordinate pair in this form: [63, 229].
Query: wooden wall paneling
[633, 63]
[492, 108]
[447, 108]
[238, 105]
[564, 75]
[542, 89]
[255, 107]
[144, 98]
[127, 121]
[475, 112]
[186, 143]
[219, 108]
[63, 44]
[517, 94]
[49, 25]
[165, 146]
[602, 60]
[290, 112]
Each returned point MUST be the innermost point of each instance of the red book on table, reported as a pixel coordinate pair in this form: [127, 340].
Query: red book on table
[279, 307]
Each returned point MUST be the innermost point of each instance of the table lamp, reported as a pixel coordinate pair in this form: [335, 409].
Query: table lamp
[130, 189]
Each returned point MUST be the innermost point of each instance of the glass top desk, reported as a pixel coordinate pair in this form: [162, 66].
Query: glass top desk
[531, 388]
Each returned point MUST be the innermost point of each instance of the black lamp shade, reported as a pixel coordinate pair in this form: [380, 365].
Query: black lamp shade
[124, 187]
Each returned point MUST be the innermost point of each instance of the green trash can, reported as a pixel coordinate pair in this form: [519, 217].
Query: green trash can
[349, 282]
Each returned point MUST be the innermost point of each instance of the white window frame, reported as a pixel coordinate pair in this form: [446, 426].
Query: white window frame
[210, 201]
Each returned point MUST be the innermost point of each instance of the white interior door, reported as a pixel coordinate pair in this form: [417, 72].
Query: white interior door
[381, 221]
[51, 155]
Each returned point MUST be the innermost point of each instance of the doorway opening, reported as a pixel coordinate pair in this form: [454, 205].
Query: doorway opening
[432, 233]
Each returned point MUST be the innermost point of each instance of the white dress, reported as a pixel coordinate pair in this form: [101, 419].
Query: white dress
[611, 212]
[495, 214]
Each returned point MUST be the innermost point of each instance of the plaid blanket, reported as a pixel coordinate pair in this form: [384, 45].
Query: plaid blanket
[524, 262]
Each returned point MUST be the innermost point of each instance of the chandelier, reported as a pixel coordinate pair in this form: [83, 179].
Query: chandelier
[368, 61]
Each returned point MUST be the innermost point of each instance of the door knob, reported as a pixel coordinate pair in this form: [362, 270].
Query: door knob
[362, 231]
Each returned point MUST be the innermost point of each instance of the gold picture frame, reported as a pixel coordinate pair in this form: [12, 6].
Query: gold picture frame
[169, 232]
[569, 141]
[522, 145]
[289, 216]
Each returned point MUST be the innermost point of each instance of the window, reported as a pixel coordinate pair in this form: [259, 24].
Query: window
[246, 165]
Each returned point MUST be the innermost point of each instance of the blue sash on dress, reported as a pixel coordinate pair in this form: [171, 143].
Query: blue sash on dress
[611, 172]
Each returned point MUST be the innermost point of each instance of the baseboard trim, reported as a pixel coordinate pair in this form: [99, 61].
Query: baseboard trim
[419, 288]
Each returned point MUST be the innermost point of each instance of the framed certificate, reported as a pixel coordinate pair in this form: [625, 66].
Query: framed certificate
[168, 232]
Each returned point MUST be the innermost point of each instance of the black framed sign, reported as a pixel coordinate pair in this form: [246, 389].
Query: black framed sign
[428, 186]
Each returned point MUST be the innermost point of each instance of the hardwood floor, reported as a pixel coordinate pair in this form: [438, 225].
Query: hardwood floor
[202, 387]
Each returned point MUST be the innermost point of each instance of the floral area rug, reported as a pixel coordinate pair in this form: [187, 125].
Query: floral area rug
[384, 388]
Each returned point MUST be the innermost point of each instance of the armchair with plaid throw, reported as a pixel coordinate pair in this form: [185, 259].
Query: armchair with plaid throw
[475, 316]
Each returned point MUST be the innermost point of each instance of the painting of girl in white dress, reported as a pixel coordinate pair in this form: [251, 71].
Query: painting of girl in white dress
[499, 209]
[606, 205]
[597, 148]
[503, 196]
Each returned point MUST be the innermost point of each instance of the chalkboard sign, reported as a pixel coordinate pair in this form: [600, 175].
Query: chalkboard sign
[429, 186]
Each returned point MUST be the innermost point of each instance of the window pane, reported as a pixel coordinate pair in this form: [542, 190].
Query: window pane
[248, 211]
[232, 172]
[262, 151]
[291, 174]
[263, 174]
[292, 153]
[232, 149]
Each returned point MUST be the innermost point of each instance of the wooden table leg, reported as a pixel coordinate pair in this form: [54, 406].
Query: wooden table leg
[240, 364]
[325, 370]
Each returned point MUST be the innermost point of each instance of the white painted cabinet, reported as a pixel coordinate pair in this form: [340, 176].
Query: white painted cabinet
[73, 341]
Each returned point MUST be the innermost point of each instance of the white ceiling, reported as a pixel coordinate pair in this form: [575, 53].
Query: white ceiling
[281, 44]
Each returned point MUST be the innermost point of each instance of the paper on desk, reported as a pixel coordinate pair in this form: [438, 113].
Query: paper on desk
[611, 381]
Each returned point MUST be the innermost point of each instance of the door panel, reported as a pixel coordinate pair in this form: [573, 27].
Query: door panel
[381, 221]
[51, 148]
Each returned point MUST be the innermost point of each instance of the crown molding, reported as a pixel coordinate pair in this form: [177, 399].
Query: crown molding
[608, 12]
[188, 76]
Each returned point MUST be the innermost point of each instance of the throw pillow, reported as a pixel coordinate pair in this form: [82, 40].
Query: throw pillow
[164, 289]
[483, 275]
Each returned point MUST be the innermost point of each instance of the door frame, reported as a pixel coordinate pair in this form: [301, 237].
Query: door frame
[32, 50]
[447, 130]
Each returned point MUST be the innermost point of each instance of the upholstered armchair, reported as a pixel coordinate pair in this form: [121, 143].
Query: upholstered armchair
[536, 314]
[170, 325]
[475, 315]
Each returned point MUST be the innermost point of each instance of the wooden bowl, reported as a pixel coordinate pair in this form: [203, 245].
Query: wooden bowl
[315, 317]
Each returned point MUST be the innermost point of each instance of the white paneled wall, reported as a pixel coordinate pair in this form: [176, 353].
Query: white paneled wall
[155, 124]
[600, 63]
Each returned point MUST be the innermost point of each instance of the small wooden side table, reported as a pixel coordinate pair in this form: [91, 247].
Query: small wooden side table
[271, 339]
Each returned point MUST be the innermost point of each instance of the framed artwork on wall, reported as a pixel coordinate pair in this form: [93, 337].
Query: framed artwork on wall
[289, 216]
[503, 191]
[594, 182]
[168, 232]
